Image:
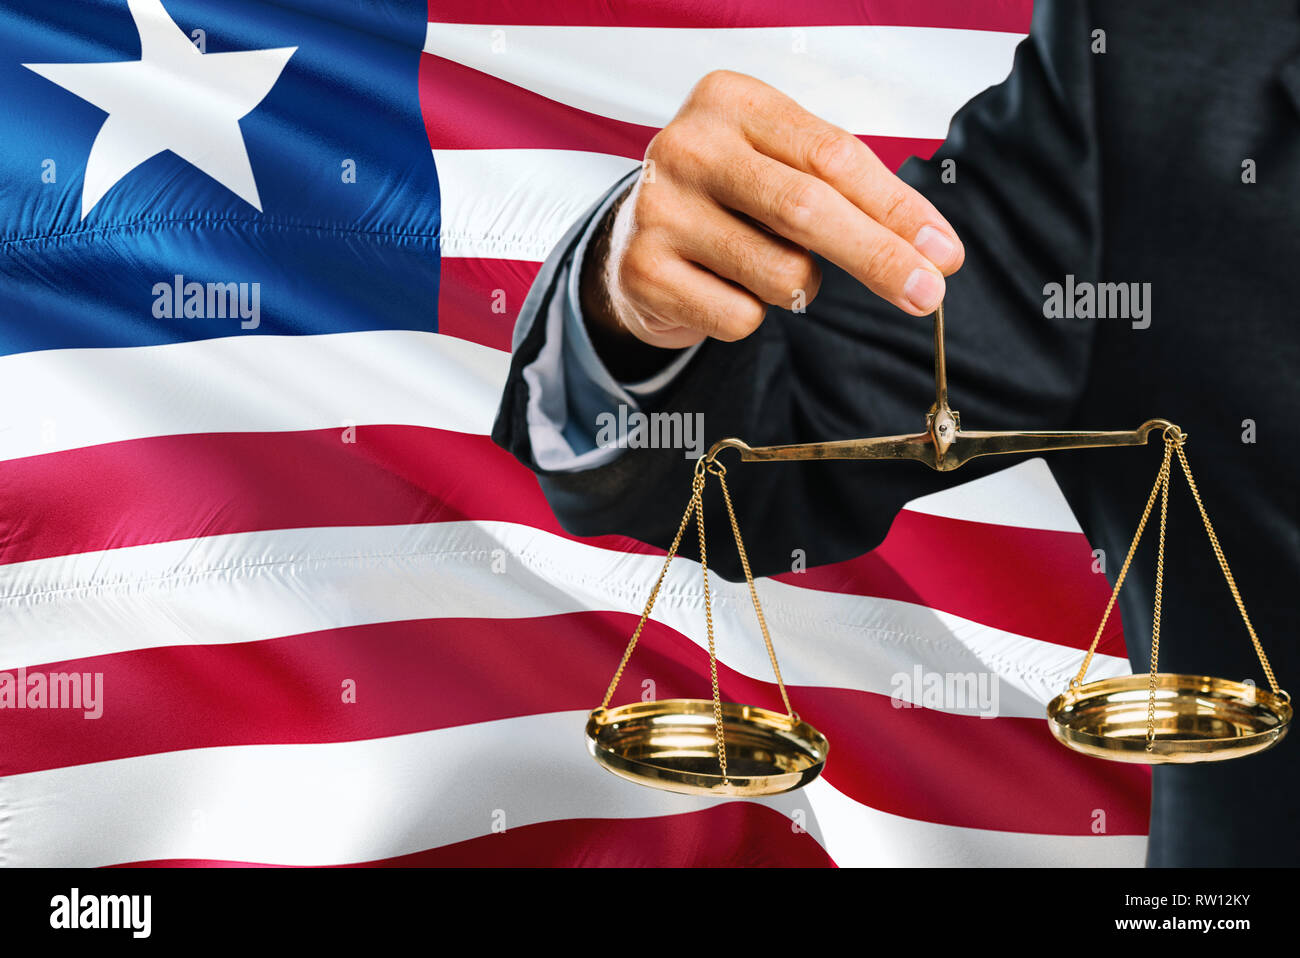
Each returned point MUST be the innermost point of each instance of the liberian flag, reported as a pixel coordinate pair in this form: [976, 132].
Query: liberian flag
[270, 594]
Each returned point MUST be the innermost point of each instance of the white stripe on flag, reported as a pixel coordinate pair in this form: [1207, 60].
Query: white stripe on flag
[361, 801]
[516, 204]
[67, 398]
[1024, 495]
[885, 81]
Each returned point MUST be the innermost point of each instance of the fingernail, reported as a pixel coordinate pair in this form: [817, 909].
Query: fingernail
[934, 245]
[923, 290]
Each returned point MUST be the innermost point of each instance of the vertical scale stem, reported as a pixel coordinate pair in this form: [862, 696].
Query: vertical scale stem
[940, 362]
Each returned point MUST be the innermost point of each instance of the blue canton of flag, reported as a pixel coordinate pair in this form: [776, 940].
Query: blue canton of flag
[154, 151]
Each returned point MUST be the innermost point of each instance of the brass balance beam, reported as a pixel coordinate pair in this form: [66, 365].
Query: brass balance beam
[944, 445]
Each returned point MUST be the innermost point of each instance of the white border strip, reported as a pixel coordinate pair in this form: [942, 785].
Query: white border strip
[361, 801]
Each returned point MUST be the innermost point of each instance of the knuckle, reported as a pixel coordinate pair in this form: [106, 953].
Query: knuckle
[895, 205]
[794, 271]
[735, 248]
[683, 146]
[745, 317]
[652, 207]
[697, 153]
[637, 269]
[717, 86]
[795, 201]
[833, 154]
[805, 270]
[664, 144]
[882, 260]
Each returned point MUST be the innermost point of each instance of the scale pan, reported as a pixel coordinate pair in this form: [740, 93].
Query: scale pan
[671, 744]
[1197, 719]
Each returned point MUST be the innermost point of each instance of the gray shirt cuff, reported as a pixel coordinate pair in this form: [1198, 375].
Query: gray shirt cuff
[569, 387]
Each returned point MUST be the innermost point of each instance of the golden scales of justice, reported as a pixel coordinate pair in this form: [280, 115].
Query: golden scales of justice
[702, 746]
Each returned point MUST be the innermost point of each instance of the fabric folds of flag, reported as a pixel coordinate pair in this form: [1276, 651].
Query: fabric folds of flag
[255, 321]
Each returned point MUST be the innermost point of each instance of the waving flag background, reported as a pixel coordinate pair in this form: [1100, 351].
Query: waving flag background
[335, 624]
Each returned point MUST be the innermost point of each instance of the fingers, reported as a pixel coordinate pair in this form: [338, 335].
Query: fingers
[775, 270]
[815, 184]
[741, 189]
[677, 303]
[814, 215]
[786, 132]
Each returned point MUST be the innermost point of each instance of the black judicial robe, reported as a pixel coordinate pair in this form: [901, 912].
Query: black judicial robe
[1125, 166]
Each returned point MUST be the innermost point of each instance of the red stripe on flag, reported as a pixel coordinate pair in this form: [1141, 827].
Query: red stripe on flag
[999, 773]
[730, 835]
[1009, 16]
[179, 487]
[507, 116]
[1046, 577]
[479, 299]
[893, 151]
